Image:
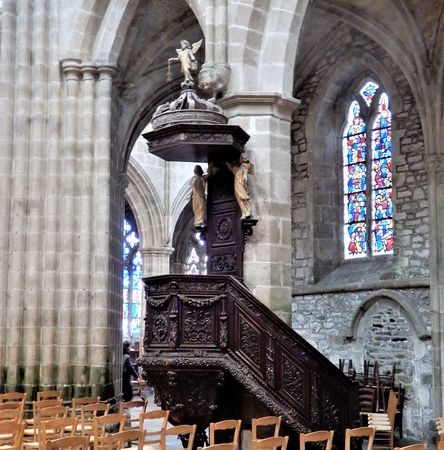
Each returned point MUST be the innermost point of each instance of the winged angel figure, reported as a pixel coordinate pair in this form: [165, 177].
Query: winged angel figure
[185, 55]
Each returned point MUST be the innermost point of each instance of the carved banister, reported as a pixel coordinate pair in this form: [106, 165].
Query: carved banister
[218, 326]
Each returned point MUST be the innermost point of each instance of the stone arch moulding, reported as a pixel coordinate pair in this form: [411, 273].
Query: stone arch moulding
[396, 299]
[146, 205]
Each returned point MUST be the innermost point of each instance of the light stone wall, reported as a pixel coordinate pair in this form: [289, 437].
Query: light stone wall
[393, 328]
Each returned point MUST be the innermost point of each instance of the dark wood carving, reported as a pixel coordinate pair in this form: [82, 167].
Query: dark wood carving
[220, 327]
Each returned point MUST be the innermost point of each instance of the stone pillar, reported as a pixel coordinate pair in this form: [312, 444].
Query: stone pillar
[267, 260]
[105, 324]
[436, 208]
[8, 31]
[66, 312]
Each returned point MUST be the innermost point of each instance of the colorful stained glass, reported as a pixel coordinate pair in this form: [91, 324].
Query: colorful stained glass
[355, 207]
[368, 92]
[354, 148]
[382, 143]
[355, 240]
[354, 178]
[384, 117]
[132, 283]
[382, 204]
[382, 231]
[382, 173]
[355, 124]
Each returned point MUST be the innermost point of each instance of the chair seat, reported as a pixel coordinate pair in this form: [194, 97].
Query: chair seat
[29, 421]
[6, 447]
[34, 444]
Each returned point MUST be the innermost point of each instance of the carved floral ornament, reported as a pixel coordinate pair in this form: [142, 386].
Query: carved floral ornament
[195, 303]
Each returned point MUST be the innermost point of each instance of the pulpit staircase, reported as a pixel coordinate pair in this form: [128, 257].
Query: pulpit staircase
[205, 335]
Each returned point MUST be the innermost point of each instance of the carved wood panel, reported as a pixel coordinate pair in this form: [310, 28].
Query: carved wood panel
[198, 325]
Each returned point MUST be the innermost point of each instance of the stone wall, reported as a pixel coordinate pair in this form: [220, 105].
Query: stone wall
[337, 304]
[394, 328]
[316, 165]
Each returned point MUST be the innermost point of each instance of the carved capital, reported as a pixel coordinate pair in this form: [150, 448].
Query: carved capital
[71, 68]
[259, 104]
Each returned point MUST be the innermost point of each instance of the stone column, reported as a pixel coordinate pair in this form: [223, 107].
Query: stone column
[8, 30]
[66, 311]
[436, 208]
[267, 262]
[105, 357]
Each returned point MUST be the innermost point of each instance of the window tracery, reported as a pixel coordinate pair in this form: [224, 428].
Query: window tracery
[367, 179]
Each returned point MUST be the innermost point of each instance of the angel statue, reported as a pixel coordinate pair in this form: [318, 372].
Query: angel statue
[185, 55]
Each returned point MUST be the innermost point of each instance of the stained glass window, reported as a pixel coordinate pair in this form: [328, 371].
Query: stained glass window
[382, 206]
[367, 179]
[368, 91]
[196, 262]
[355, 183]
[132, 283]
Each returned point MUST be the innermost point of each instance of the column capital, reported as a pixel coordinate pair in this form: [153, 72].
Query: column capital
[89, 71]
[106, 71]
[156, 251]
[71, 68]
[259, 104]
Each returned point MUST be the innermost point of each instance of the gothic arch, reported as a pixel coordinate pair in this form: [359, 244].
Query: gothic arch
[179, 203]
[398, 301]
[147, 207]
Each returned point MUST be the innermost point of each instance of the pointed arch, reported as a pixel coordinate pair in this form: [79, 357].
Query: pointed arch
[398, 301]
[147, 207]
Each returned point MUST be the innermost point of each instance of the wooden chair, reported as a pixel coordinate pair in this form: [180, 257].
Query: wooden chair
[227, 446]
[262, 422]
[153, 439]
[12, 398]
[76, 404]
[49, 395]
[181, 430]
[14, 415]
[272, 443]
[134, 409]
[103, 425]
[87, 415]
[117, 441]
[413, 447]
[11, 406]
[71, 442]
[224, 425]
[363, 432]
[11, 435]
[384, 422]
[37, 405]
[316, 436]
[56, 429]
[31, 435]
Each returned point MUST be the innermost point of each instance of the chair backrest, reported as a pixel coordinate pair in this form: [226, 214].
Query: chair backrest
[49, 395]
[87, 414]
[391, 407]
[52, 412]
[412, 447]
[154, 436]
[76, 403]
[11, 406]
[223, 425]
[182, 430]
[18, 397]
[37, 405]
[220, 447]
[368, 432]
[109, 423]
[316, 436]
[367, 399]
[14, 415]
[272, 443]
[132, 411]
[57, 428]
[71, 442]
[11, 434]
[267, 421]
[116, 441]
